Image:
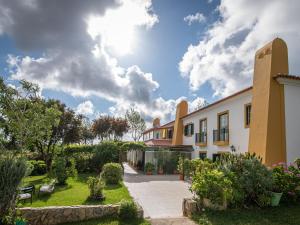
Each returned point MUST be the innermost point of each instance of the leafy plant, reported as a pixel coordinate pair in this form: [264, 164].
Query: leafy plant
[112, 173]
[149, 167]
[39, 167]
[212, 185]
[71, 168]
[96, 186]
[251, 180]
[12, 170]
[104, 153]
[60, 170]
[127, 210]
[286, 180]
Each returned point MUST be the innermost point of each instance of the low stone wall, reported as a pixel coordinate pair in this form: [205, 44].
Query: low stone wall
[189, 207]
[63, 214]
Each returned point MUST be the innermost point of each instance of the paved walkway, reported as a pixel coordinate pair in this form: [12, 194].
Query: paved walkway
[173, 221]
[160, 195]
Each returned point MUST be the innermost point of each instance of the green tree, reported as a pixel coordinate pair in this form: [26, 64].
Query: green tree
[136, 123]
[25, 118]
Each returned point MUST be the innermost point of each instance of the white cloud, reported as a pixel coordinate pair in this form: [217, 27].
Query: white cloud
[224, 56]
[85, 108]
[198, 17]
[79, 60]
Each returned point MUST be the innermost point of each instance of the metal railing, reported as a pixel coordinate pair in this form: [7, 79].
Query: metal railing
[201, 137]
[221, 135]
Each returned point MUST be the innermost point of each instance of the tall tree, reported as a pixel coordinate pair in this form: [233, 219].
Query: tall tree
[87, 134]
[136, 123]
[109, 128]
[24, 117]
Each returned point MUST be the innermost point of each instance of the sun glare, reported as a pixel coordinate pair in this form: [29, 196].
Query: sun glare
[116, 28]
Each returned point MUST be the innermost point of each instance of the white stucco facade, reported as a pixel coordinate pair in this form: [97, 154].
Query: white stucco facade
[292, 118]
[238, 133]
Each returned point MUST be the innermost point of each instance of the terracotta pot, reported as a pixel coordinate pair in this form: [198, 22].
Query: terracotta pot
[149, 173]
[160, 172]
[181, 177]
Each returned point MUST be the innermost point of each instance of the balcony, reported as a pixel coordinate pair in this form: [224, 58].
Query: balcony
[201, 139]
[221, 137]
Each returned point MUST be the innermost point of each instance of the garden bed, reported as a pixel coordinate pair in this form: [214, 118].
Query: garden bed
[75, 192]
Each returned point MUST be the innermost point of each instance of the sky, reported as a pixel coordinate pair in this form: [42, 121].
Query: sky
[106, 56]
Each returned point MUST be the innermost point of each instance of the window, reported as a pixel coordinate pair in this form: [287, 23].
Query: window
[170, 133]
[247, 115]
[189, 129]
[221, 135]
[202, 155]
[216, 157]
[203, 131]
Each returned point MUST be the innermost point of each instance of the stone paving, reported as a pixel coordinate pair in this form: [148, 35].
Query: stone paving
[172, 221]
[159, 195]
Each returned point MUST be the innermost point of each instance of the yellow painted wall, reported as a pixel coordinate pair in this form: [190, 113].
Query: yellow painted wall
[267, 127]
[181, 110]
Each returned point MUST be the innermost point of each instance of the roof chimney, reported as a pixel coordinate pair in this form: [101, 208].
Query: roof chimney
[156, 122]
[181, 110]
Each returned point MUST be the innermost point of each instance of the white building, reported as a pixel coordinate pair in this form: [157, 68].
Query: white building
[262, 119]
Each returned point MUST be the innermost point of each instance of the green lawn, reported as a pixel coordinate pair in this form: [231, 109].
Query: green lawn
[285, 214]
[75, 192]
[110, 221]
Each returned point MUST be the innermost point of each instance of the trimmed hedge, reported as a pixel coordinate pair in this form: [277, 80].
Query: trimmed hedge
[73, 149]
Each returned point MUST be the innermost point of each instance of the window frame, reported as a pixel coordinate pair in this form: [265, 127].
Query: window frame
[187, 130]
[200, 130]
[246, 114]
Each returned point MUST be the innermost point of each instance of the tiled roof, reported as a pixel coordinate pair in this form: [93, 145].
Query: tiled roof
[287, 76]
[167, 125]
[158, 142]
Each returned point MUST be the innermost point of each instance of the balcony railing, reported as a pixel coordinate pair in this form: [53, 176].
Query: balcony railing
[201, 138]
[221, 135]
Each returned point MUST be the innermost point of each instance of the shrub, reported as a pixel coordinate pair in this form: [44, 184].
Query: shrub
[127, 210]
[112, 173]
[12, 170]
[71, 168]
[60, 170]
[96, 186]
[39, 167]
[83, 161]
[149, 167]
[251, 180]
[212, 185]
[104, 153]
[73, 149]
[287, 180]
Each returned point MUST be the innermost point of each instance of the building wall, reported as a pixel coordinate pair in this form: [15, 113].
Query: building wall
[292, 121]
[238, 134]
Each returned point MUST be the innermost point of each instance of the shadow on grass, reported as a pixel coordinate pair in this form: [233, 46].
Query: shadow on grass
[113, 187]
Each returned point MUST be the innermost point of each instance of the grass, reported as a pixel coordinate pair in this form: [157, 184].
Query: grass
[284, 214]
[110, 221]
[75, 192]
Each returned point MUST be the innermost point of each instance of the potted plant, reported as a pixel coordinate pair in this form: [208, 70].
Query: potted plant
[180, 168]
[279, 183]
[21, 221]
[149, 168]
[160, 166]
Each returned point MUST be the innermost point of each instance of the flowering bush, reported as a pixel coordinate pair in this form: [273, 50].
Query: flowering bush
[287, 180]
